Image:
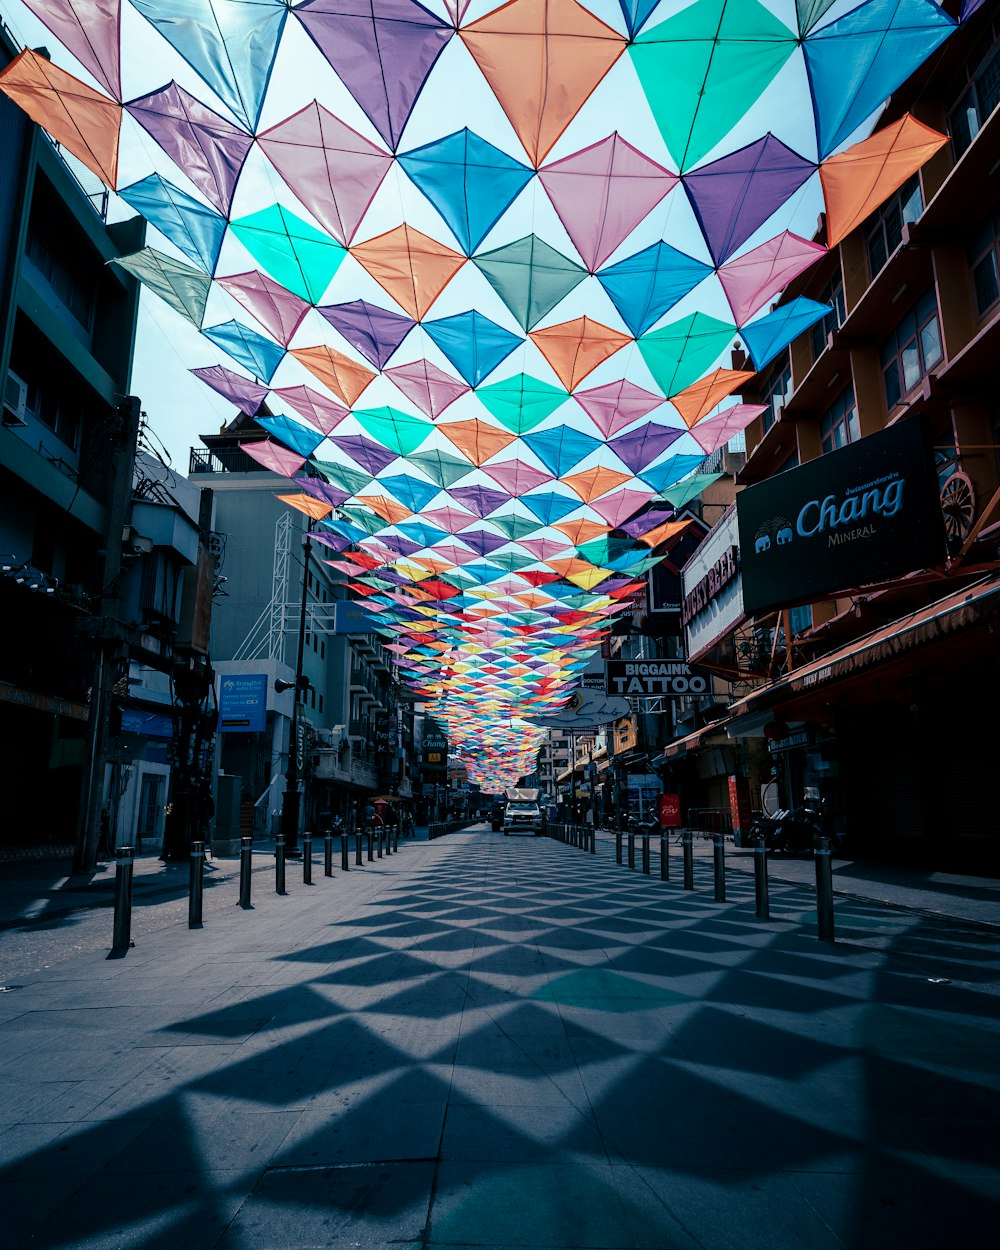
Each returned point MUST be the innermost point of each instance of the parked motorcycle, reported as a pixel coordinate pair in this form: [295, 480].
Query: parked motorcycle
[794, 830]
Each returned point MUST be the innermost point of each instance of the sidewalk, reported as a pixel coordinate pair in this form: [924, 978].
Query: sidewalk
[498, 1043]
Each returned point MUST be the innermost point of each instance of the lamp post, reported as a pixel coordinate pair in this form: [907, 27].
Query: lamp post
[290, 801]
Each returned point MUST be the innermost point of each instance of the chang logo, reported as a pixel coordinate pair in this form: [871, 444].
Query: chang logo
[777, 532]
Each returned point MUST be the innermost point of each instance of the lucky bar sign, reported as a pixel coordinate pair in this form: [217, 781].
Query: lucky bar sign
[651, 679]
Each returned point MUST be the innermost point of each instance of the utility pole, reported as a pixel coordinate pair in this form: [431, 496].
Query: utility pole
[290, 800]
[106, 630]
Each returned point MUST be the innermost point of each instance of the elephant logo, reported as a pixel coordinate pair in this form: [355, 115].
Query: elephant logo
[775, 532]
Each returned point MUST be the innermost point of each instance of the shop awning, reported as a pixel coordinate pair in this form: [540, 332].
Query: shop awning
[931, 623]
[708, 736]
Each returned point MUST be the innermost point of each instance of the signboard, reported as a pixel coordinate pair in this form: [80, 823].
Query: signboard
[586, 709]
[652, 679]
[242, 703]
[152, 724]
[670, 811]
[739, 807]
[435, 758]
[854, 517]
[712, 586]
[665, 593]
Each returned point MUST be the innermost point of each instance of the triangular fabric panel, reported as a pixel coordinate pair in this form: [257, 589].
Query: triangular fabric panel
[771, 334]
[209, 149]
[345, 377]
[319, 410]
[400, 38]
[293, 435]
[398, 430]
[256, 353]
[85, 122]
[375, 332]
[752, 279]
[184, 288]
[300, 257]
[679, 354]
[575, 348]
[736, 194]
[698, 399]
[91, 30]
[278, 311]
[334, 171]
[861, 178]
[474, 344]
[562, 448]
[602, 192]
[715, 432]
[230, 43]
[410, 265]
[428, 387]
[469, 181]
[521, 402]
[192, 227]
[646, 285]
[616, 404]
[274, 457]
[246, 395]
[856, 62]
[702, 69]
[543, 58]
[530, 276]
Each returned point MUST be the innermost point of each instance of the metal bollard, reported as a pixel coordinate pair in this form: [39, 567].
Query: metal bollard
[124, 868]
[345, 851]
[631, 849]
[645, 853]
[379, 838]
[593, 840]
[688, 859]
[358, 845]
[328, 855]
[824, 889]
[307, 857]
[664, 856]
[371, 845]
[395, 838]
[618, 846]
[246, 869]
[196, 884]
[762, 905]
[279, 863]
[719, 856]
[388, 839]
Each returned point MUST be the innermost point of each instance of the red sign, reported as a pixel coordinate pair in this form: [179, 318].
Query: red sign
[670, 811]
[739, 806]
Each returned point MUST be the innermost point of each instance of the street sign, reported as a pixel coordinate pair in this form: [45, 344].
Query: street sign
[652, 679]
[242, 703]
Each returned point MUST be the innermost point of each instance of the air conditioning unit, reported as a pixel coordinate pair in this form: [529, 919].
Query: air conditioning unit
[15, 400]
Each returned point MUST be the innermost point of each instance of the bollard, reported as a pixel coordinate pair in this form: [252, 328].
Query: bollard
[631, 849]
[379, 837]
[246, 869]
[307, 857]
[593, 840]
[196, 883]
[395, 837]
[824, 889]
[618, 846]
[719, 856]
[328, 855]
[358, 844]
[279, 863]
[388, 839]
[761, 902]
[124, 867]
[664, 856]
[345, 851]
[645, 853]
[371, 844]
[688, 859]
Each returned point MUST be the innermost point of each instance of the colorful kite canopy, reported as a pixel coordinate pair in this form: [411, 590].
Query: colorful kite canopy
[477, 270]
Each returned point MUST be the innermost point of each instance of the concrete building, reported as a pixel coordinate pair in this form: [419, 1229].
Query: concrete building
[875, 684]
[355, 721]
[67, 329]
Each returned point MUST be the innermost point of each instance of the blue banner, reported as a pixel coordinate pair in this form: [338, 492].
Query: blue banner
[242, 702]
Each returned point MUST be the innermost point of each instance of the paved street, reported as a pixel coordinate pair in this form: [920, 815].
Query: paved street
[490, 1042]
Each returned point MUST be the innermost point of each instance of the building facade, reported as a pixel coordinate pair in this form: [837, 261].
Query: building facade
[867, 670]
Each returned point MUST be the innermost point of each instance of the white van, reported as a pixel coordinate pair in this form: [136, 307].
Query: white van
[522, 816]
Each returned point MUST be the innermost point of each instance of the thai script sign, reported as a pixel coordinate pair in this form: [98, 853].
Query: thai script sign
[854, 517]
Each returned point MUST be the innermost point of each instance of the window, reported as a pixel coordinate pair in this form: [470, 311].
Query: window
[65, 270]
[839, 424]
[979, 99]
[983, 262]
[886, 230]
[775, 394]
[799, 620]
[912, 350]
[832, 294]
